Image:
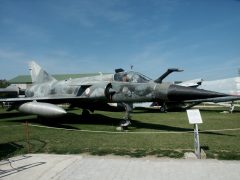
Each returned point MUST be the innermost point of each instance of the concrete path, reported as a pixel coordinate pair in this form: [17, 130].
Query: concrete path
[72, 167]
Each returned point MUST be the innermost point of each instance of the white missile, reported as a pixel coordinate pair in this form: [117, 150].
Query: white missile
[42, 109]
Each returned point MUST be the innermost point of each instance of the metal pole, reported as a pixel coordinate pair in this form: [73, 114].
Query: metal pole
[196, 142]
[27, 135]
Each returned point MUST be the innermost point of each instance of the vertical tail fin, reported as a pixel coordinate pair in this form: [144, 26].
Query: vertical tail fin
[38, 75]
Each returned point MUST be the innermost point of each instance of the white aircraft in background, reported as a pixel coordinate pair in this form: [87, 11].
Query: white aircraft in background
[229, 86]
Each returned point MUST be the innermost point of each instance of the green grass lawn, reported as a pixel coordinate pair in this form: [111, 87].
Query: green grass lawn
[143, 138]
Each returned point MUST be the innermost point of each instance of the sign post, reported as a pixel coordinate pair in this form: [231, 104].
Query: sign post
[194, 117]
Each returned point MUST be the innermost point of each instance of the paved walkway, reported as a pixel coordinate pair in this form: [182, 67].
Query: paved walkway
[72, 167]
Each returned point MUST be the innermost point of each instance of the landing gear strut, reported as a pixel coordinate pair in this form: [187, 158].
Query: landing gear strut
[232, 107]
[127, 118]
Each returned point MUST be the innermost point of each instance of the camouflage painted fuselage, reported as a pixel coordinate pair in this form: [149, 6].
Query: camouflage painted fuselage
[82, 90]
[105, 90]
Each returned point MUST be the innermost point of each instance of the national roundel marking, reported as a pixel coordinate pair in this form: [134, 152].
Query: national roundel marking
[87, 91]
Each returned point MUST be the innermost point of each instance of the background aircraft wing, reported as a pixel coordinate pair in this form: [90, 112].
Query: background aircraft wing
[191, 83]
[215, 100]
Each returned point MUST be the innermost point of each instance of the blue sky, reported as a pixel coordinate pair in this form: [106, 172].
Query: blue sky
[83, 36]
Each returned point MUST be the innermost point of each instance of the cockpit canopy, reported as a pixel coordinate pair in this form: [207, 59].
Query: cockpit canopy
[131, 76]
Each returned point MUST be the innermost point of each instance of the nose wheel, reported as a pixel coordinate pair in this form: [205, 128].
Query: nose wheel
[125, 123]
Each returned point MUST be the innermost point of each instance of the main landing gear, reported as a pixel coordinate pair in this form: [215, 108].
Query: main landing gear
[127, 118]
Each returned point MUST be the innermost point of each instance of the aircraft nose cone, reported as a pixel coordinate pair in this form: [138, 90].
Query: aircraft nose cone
[180, 93]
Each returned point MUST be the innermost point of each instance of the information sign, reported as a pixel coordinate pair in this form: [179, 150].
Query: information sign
[194, 116]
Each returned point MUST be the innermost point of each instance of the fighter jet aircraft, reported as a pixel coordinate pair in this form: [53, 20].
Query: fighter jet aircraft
[96, 92]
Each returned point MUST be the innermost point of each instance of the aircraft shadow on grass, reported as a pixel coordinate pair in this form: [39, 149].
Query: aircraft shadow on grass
[98, 119]
[9, 148]
[7, 115]
[138, 124]
[144, 110]
[219, 110]
[70, 119]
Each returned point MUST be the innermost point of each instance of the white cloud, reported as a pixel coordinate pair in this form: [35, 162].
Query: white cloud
[90, 13]
[25, 30]
[10, 55]
[12, 63]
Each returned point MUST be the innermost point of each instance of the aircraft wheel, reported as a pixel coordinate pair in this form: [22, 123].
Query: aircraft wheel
[162, 109]
[125, 123]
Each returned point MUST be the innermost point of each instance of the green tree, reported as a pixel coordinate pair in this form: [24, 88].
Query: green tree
[4, 83]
